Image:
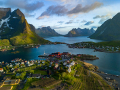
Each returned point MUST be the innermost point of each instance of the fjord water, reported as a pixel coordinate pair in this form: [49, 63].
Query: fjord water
[107, 62]
[71, 40]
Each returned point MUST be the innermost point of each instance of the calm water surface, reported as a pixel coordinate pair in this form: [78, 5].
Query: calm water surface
[107, 62]
[71, 40]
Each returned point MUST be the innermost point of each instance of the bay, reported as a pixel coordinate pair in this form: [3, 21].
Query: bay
[71, 40]
[107, 62]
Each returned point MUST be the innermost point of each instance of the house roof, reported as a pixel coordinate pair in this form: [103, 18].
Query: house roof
[34, 75]
[1, 68]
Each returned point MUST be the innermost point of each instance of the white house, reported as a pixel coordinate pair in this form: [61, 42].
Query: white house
[28, 62]
[72, 63]
[1, 69]
[17, 63]
[10, 65]
[69, 69]
[64, 63]
[39, 61]
[68, 66]
[56, 65]
[22, 62]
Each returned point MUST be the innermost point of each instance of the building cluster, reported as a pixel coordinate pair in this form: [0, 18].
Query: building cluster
[93, 46]
[59, 55]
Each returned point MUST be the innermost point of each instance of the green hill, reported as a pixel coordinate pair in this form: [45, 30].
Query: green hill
[109, 30]
[5, 42]
[18, 31]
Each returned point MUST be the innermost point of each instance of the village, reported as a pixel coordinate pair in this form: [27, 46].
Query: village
[96, 47]
[57, 69]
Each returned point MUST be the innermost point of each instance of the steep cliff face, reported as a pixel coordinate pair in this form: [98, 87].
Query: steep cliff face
[80, 32]
[4, 12]
[109, 30]
[16, 28]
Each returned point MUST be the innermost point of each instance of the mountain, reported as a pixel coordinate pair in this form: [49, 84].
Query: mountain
[46, 32]
[80, 32]
[109, 30]
[16, 28]
[4, 12]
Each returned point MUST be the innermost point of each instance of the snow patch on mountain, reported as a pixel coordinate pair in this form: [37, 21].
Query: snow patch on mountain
[5, 21]
[14, 17]
[11, 28]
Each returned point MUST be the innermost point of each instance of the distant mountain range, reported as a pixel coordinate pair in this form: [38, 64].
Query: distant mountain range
[14, 26]
[46, 32]
[80, 32]
[109, 30]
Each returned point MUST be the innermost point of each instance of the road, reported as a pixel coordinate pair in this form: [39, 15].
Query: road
[116, 78]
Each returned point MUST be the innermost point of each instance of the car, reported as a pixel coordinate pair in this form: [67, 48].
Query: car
[106, 73]
[108, 78]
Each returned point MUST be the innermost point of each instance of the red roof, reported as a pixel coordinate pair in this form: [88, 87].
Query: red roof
[1, 68]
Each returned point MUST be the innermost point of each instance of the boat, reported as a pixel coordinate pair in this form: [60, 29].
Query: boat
[36, 47]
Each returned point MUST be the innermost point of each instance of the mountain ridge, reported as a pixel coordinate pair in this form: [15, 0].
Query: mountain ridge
[109, 30]
[18, 31]
[47, 32]
[80, 32]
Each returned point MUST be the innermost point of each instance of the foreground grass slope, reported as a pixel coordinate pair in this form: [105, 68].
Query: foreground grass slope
[80, 78]
[5, 42]
[27, 37]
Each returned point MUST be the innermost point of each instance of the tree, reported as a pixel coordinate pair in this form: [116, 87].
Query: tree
[31, 71]
[4, 68]
[23, 75]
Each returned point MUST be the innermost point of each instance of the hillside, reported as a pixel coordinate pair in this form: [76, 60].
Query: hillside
[80, 32]
[46, 32]
[4, 42]
[16, 28]
[109, 30]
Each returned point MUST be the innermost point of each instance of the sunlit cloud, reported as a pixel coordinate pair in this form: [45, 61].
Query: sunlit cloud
[89, 22]
[103, 18]
[61, 10]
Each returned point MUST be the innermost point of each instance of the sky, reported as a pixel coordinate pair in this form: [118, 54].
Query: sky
[64, 15]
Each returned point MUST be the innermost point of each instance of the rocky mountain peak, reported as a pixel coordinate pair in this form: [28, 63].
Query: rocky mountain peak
[4, 12]
[17, 12]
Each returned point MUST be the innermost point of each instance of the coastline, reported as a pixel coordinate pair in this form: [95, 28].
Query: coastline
[112, 80]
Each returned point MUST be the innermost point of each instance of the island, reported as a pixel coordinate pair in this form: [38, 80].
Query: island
[108, 46]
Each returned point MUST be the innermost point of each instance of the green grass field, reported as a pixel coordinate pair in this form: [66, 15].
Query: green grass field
[37, 71]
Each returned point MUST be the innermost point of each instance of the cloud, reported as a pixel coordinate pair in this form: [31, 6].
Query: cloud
[54, 10]
[29, 15]
[42, 26]
[56, 27]
[94, 27]
[42, 17]
[69, 22]
[24, 4]
[84, 21]
[80, 9]
[89, 23]
[103, 18]
[96, 17]
[60, 22]
[65, 1]
[61, 10]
